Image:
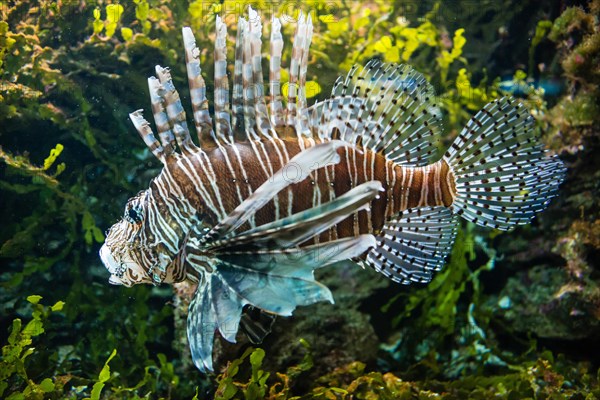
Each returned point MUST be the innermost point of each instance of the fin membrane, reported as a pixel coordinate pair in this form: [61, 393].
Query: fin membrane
[414, 244]
[265, 267]
[388, 108]
[504, 177]
[256, 324]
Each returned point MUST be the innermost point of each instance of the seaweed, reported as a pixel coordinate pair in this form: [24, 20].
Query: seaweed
[543, 378]
[15, 381]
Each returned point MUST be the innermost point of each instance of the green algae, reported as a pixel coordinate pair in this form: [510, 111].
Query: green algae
[544, 378]
[18, 351]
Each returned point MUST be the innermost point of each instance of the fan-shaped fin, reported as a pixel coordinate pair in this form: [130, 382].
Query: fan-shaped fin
[274, 281]
[387, 108]
[504, 177]
[414, 244]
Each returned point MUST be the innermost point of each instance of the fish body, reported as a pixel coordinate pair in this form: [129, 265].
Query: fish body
[552, 88]
[238, 170]
[272, 193]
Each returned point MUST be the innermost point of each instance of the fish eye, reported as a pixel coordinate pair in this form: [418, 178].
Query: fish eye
[133, 215]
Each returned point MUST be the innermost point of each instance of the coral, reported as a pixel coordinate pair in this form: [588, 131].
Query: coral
[559, 309]
[576, 117]
[557, 296]
[540, 379]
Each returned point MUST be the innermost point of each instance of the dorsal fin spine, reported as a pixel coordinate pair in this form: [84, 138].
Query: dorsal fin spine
[248, 89]
[161, 119]
[302, 123]
[237, 100]
[294, 68]
[263, 122]
[276, 44]
[221, 94]
[202, 119]
[175, 111]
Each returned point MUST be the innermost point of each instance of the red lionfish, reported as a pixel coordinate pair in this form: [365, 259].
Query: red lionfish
[275, 191]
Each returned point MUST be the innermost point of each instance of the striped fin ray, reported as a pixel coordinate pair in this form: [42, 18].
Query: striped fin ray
[161, 120]
[221, 94]
[169, 117]
[237, 98]
[285, 262]
[202, 118]
[414, 244]
[247, 116]
[297, 50]
[320, 156]
[503, 175]
[248, 88]
[256, 324]
[297, 228]
[175, 112]
[302, 123]
[263, 122]
[145, 131]
[201, 326]
[389, 108]
[335, 118]
[275, 104]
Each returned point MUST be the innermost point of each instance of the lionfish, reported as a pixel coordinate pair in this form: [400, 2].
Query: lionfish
[275, 191]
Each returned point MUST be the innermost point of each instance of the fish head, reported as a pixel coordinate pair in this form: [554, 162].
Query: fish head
[125, 253]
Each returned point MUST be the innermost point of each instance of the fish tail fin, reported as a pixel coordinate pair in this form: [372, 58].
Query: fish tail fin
[499, 176]
[502, 174]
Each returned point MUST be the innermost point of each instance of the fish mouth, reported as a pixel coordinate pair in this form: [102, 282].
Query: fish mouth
[108, 260]
[111, 265]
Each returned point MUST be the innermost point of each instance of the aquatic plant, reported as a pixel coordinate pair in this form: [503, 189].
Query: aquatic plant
[543, 378]
[577, 35]
[15, 380]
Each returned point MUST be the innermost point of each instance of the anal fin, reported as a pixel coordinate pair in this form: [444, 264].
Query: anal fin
[256, 324]
[414, 244]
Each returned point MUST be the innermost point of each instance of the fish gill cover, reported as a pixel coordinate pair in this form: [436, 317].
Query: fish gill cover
[506, 316]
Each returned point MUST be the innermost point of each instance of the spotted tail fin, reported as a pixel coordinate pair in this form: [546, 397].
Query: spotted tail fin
[503, 176]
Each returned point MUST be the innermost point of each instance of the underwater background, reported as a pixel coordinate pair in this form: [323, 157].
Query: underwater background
[513, 315]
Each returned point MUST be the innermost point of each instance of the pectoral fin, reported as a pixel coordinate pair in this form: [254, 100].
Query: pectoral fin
[266, 267]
